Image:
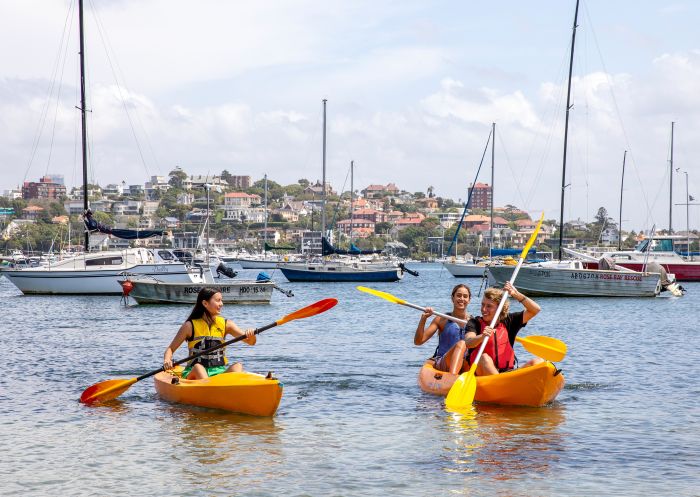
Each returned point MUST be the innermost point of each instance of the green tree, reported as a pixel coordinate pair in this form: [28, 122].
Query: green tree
[177, 177]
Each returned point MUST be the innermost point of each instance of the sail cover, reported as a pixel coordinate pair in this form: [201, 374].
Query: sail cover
[328, 249]
[92, 225]
[278, 247]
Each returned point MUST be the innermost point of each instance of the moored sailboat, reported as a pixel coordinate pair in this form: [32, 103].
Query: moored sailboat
[339, 269]
[571, 278]
[97, 272]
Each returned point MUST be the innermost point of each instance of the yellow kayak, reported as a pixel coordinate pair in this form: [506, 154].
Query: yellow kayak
[247, 393]
[532, 386]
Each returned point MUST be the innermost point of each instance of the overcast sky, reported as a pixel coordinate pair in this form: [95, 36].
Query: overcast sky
[412, 89]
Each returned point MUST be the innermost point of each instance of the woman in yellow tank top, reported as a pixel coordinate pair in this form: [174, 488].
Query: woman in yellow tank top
[204, 328]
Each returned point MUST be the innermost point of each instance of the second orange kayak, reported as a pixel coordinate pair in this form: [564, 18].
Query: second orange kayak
[532, 386]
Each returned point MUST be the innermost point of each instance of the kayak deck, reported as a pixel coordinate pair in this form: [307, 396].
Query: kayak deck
[531, 386]
[244, 392]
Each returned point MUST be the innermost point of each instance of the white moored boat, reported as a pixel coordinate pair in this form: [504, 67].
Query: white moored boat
[571, 279]
[148, 291]
[98, 272]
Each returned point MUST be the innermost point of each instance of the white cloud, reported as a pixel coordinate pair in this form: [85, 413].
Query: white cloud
[238, 86]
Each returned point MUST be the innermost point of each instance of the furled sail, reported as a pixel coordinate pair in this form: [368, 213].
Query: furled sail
[328, 249]
[278, 247]
[92, 225]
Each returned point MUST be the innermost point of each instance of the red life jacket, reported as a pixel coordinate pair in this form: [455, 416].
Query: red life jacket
[498, 348]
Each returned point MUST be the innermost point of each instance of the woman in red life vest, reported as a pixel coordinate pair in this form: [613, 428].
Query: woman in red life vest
[205, 328]
[449, 354]
[498, 355]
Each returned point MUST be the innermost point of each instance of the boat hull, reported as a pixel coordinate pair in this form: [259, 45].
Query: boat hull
[465, 270]
[43, 281]
[685, 271]
[246, 393]
[338, 273]
[257, 263]
[559, 282]
[533, 386]
[235, 292]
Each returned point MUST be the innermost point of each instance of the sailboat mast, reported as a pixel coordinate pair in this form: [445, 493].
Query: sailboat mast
[352, 196]
[265, 232]
[670, 187]
[323, 203]
[622, 185]
[566, 132]
[84, 124]
[493, 158]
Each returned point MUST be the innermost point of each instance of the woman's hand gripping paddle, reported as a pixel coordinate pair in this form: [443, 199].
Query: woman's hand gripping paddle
[111, 389]
[462, 392]
[549, 349]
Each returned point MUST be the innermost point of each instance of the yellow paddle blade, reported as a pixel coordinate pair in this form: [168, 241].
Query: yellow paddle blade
[105, 391]
[383, 295]
[309, 310]
[461, 394]
[533, 237]
[547, 348]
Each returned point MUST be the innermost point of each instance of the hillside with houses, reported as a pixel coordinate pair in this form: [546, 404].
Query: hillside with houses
[45, 215]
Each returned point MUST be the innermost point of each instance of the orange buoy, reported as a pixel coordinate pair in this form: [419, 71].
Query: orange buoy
[127, 286]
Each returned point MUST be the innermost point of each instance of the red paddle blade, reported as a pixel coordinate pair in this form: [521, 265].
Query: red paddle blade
[105, 391]
[309, 310]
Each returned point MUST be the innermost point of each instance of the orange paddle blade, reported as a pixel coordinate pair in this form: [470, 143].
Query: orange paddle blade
[309, 310]
[463, 390]
[105, 391]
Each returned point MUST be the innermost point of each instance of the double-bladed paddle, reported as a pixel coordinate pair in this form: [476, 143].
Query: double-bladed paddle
[463, 390]
[547, 348]
[111, 389]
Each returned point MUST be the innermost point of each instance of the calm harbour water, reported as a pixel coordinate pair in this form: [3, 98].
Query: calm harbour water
[352, 419]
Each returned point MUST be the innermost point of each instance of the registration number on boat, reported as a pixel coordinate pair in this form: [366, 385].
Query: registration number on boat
[594, 276]
[251, 289]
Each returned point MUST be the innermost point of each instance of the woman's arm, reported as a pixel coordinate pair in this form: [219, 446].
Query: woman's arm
[531, 307]
[423, 334]
[233, 330]
[183, 334]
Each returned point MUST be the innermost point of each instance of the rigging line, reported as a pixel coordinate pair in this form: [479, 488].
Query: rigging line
[44, 112]
[107, 48]
[553, 116]
[337, 206]
[470, 191]
[510, 168]
[55, 117]
[649, 208]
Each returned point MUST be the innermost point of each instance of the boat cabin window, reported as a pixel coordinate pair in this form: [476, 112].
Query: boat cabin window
[657, 245]
[166, 255]
[105, 261]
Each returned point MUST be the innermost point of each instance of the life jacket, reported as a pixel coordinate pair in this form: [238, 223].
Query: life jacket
[204, 337]
[451, 334]
[498, 348]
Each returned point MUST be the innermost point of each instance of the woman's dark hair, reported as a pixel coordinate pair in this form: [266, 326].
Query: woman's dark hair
[198, 311]
[462, 285]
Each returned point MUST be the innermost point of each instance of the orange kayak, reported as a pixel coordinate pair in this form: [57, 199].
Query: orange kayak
[247, 393]
[532, 386]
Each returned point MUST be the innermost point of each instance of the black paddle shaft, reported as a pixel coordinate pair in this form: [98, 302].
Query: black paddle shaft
[206, 351]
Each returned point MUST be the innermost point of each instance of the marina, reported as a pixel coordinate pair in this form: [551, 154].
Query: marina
[353, 414]
[137, 222]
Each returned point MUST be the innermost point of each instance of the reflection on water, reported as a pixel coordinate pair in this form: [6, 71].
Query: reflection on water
[504, 442]
[228, 447]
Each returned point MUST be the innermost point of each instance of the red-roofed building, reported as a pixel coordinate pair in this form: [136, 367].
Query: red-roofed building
[241, 199]
[374, 191]
[370, 214]
[357, 228]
